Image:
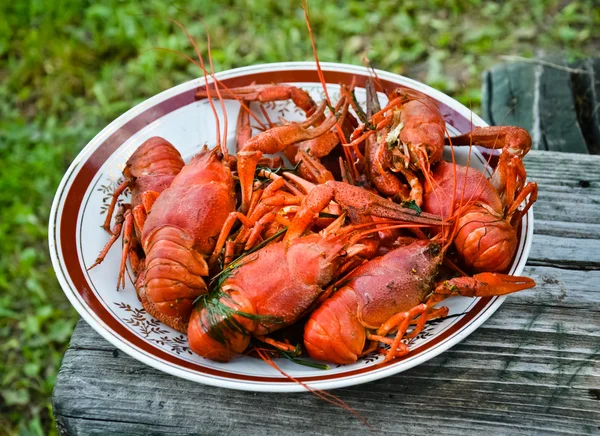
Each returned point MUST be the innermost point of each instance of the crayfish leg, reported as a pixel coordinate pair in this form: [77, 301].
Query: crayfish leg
[515, 140]
[113, 203]
[246, 166]
[267, 93]
[243, 129]
[128, 236]
[311, 168]
[400, 322]
[224, 233]
[114, 235]
[283, 346]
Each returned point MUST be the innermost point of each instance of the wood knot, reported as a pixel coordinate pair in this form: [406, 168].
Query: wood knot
[584, 183]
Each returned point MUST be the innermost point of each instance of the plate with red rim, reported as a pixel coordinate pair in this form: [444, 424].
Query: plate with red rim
[75, 236]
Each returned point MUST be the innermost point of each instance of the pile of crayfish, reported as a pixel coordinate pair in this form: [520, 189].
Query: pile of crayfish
[358, 237]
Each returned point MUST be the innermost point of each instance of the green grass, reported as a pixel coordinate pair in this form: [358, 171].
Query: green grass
[67, 68]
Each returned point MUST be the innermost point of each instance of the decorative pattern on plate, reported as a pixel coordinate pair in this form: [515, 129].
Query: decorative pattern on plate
[156, 332]
[427, 333]
[153, 330]
[108, 189]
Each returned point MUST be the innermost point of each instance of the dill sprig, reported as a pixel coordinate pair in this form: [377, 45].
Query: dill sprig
[226, 272]
[292, 356]
[327, 215]
[412, 205]
[264, 180]
[278, 170]
[220, 321]
[294, 169]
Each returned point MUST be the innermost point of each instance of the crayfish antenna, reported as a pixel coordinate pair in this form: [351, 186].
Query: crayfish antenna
[323, 395]
[225, 121]
[314, 48]
[201, 60]
[373, 73]
[339, 130]
[217, 83]
[486, 166]
[437, 189]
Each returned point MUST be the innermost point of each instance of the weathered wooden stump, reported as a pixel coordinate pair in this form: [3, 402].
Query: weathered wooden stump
[558, 103]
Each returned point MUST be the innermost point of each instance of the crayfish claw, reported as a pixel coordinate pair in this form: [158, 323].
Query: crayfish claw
[484, 285]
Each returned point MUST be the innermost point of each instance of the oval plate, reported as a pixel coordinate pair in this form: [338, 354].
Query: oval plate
[75, 236]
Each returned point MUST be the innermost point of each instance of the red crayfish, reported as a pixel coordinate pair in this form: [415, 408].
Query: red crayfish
[149, 171]
[386, 295]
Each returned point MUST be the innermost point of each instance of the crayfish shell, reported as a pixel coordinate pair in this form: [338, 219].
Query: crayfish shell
[464, 184]
[215, 338]
[485, 239]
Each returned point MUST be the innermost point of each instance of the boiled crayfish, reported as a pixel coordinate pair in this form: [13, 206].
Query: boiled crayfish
[386, 295]
[148, 172]
[179, 236]
[488, 212]
[408, 138]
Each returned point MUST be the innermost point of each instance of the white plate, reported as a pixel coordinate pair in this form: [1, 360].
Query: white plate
[75, 236]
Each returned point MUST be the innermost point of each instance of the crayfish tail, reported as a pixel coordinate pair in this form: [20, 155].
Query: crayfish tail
[179, 323]
[333, 332]
[173, 278]
[221, 328]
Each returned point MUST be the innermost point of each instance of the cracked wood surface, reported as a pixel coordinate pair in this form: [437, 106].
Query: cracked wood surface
[532, 368]
[558, 107]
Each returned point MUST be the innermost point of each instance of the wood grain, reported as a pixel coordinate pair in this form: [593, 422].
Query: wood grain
[560, 129]
[532, 368]
[587, 88]
[557, 106]
[509, 95]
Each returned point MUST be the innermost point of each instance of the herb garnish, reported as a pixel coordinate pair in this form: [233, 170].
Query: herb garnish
[412, 205]
[292, 356]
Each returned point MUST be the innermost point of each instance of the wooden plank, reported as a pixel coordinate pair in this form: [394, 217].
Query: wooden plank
[545, 226]
[539, 97]
[558, 117]
[581, 254]
[508, 96]
[569, 194]
[559, 287]
[532, 368]
[587, 89]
